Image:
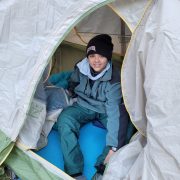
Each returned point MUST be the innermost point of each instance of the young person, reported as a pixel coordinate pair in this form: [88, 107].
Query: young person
[96, 84]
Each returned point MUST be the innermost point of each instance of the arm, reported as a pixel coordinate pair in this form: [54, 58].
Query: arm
[112, 109]
[113, 101]
[117, 122]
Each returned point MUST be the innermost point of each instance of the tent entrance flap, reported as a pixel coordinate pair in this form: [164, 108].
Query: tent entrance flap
[6, 146]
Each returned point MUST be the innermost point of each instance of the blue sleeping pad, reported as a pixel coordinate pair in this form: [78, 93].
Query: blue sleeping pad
[92, 142]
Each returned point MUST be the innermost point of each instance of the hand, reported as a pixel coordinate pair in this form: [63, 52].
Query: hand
[110, 153]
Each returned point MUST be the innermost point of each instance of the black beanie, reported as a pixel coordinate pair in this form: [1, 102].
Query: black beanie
[100, 44]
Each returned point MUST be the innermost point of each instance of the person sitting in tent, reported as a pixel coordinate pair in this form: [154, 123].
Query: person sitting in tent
[96, 84]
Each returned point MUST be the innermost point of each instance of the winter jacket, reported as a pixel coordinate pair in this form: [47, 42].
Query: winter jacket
[104, 96]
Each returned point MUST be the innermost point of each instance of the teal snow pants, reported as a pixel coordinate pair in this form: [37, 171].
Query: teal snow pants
[69, 123]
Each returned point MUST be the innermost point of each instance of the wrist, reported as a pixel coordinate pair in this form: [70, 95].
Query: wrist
[114, 149]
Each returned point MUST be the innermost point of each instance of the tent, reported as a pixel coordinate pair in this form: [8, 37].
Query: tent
[150, 93]
[32, 30]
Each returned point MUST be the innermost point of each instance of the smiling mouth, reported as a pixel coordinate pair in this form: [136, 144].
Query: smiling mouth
[97, 65]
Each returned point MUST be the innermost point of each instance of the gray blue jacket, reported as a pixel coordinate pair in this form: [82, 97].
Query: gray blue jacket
[104, 96]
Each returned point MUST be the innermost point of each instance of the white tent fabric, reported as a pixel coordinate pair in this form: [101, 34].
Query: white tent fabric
[130, 11]
[30, 31]
[151, 85]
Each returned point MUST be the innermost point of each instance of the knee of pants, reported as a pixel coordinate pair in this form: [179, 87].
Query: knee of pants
[67, 121]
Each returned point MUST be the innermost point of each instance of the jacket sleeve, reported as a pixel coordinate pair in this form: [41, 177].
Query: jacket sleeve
[73, 81]
[113, 114]
[116, 124]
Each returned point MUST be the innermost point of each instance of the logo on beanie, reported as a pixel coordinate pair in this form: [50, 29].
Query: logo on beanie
[91, 48]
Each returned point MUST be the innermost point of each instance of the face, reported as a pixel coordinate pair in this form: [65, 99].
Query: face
[97, 62]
